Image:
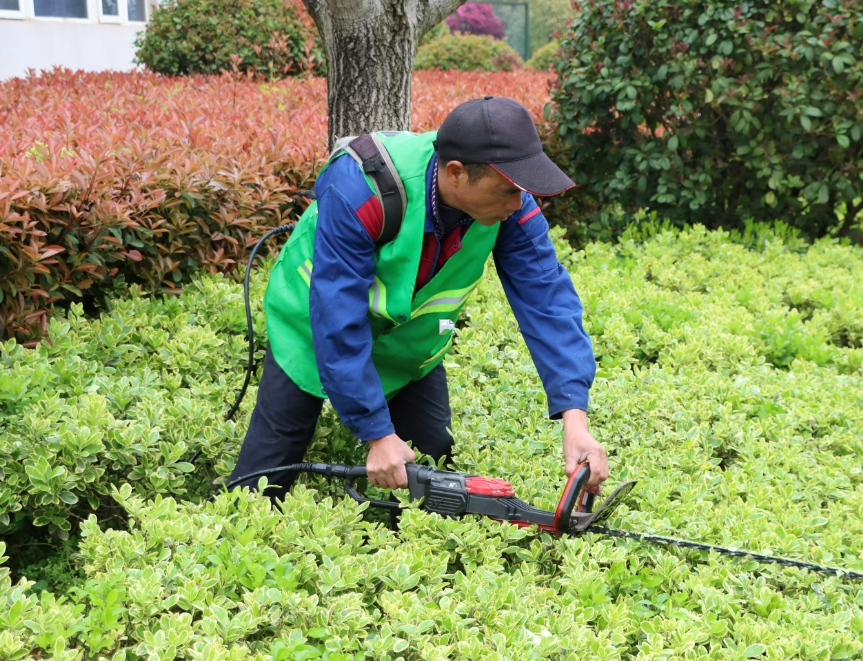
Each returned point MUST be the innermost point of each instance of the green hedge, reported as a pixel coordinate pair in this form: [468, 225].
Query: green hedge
[717, 112]
[544, 57]
[467, 52]
[729, 384]
[125, 398]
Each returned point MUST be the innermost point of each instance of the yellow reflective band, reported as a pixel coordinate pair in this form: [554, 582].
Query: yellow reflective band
[440, 353]
[305, 271]
[378, 299]
[446, 301]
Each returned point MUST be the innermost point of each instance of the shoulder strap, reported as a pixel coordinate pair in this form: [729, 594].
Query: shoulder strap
[370, 153]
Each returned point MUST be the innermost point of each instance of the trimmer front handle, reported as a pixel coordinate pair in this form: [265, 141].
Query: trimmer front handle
[577, 497]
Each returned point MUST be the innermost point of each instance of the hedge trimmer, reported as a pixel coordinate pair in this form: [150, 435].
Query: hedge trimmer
[456, 494]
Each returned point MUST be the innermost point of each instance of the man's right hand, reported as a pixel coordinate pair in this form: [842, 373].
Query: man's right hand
[385, 464]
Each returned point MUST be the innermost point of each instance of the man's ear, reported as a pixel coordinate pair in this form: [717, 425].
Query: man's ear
[455, 172]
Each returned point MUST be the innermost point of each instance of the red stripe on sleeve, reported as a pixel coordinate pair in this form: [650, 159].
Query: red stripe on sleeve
[528, 216]
[371, 215]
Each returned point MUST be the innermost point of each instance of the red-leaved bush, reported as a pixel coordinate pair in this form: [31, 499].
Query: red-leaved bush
[125, 174]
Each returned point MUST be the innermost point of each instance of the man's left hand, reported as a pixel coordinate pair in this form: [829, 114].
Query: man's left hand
[579, 446]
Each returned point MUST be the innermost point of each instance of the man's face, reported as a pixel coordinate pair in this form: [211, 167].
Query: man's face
[488, 200]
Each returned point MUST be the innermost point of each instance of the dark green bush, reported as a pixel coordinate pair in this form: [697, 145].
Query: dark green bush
[273, 37]
[467, 52]
[714, 111]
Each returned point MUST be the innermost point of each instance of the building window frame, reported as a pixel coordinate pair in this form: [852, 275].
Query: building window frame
[147, 10]
[122, 16]
[30, 8]
[16, 14]
[108, 18]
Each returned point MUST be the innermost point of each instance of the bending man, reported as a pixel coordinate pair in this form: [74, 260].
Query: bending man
[368, 325]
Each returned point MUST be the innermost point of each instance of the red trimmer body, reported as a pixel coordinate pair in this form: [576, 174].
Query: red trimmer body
[457, 494]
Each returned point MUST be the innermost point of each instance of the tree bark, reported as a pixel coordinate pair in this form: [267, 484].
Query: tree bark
[370, 47]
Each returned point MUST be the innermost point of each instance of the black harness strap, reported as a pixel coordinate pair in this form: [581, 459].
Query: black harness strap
[376, 163]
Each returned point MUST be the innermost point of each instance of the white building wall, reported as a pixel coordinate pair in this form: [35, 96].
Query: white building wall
[95, 43]
[44, 44]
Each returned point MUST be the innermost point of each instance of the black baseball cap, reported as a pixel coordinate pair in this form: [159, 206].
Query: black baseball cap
[499, 132]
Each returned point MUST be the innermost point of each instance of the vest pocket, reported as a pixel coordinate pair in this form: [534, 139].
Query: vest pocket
[439, 353]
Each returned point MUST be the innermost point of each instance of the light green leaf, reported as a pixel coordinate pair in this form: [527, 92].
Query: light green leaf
[754, 650]
[68, 497]
[672, 143]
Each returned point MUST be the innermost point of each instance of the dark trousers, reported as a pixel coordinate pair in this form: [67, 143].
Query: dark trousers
[284, 419]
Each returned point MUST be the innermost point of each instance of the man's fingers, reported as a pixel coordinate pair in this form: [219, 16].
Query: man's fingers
[400, 477]
[395, 477]
[384, 481]
[598, 467]
[385, 464]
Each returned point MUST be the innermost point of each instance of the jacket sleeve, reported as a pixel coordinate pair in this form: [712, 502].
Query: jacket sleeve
[343, 272]
[546, 307]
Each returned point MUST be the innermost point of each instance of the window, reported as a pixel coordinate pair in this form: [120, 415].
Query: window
[137, 10]
[60, 8]
[109, 11]
[11, 9]
[120, 11]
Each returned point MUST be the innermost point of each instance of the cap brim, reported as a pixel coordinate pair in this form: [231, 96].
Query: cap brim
[538, 175]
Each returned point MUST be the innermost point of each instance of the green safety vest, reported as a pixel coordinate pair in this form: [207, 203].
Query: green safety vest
[411, 333]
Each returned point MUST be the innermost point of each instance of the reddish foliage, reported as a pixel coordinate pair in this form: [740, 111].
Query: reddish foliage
[150, 178]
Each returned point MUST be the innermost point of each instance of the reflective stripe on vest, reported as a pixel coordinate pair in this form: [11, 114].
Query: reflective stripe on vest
[305, 271]
[378, 300]
[445, 301]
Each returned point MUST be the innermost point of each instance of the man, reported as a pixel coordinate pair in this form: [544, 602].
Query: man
[368, 326]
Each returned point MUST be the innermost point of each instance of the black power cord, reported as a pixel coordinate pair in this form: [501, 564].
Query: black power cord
[281, 229]
[250, 333]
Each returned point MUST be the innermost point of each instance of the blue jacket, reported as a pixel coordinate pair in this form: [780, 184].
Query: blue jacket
[538, 288]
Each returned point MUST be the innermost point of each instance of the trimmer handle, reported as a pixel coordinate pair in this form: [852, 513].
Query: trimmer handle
[354, 472]
[577, 496]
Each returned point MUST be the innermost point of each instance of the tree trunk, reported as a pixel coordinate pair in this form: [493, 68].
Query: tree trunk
[370, 47]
